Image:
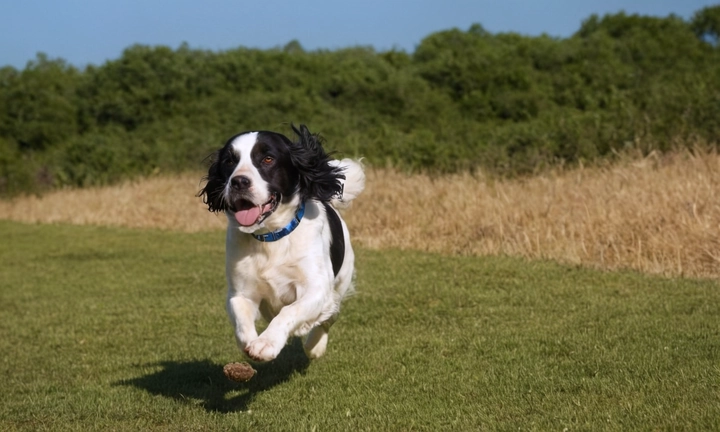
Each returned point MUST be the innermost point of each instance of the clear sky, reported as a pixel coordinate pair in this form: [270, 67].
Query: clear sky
[93, 31]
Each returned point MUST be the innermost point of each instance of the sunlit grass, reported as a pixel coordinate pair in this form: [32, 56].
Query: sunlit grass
[118, 329]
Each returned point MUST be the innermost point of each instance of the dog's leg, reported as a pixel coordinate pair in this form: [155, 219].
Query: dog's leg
[291, 318]
[242, 313]
[316, 342]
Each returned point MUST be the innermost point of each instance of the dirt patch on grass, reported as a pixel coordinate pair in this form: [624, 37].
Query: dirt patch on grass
[658, 214]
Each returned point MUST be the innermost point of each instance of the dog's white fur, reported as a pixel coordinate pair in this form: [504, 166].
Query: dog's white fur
[290, 282]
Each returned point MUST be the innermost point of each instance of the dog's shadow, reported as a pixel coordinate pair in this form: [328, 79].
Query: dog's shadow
[204, 381]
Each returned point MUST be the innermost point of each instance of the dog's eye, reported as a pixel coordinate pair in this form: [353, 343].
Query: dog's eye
[230, 159]
[268, 160]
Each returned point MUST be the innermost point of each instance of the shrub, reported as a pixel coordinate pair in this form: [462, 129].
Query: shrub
[464, 100]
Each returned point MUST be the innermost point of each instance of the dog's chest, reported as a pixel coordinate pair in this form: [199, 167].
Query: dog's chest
[274, 278]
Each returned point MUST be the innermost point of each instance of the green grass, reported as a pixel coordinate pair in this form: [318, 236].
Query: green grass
[114, 329]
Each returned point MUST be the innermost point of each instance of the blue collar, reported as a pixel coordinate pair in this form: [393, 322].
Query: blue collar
[277, 235]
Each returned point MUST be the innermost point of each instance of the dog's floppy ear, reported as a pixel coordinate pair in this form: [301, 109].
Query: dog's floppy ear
[212, 193]
[318, 179]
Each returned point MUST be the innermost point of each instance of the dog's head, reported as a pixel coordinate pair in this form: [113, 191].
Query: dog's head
[256, 173]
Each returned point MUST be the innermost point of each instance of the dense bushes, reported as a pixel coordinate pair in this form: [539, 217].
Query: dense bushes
[504, 103]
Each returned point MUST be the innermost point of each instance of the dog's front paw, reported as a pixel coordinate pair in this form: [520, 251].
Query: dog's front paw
[262, 350]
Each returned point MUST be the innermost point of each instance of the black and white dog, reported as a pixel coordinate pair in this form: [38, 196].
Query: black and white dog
[288, 252]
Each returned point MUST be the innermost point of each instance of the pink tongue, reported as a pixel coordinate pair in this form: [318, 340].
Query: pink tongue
[247, 217]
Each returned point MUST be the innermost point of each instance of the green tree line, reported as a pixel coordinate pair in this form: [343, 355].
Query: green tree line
[463, 100]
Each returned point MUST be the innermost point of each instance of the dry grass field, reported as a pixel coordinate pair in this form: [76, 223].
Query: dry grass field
[658, 214]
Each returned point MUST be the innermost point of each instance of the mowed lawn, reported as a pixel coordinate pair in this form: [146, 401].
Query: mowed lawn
[121, 329]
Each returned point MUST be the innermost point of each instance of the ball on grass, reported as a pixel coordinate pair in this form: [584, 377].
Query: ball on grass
[239, 372]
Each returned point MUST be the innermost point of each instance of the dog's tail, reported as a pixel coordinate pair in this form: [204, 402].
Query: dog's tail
[353, 184]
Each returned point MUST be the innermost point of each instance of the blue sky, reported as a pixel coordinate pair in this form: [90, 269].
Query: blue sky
[93, 31]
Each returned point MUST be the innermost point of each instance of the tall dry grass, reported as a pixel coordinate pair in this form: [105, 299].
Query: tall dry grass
[658, 214]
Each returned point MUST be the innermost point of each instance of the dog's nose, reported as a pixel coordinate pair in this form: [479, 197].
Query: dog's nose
[240, 182]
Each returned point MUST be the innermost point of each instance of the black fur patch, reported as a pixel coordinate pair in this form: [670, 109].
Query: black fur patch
[337, 239]
[317, 178]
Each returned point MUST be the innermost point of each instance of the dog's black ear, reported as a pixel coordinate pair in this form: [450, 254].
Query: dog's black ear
[212, 193]
[318, 179]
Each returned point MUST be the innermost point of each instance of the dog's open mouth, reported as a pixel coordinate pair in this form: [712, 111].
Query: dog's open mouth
[249, 214]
